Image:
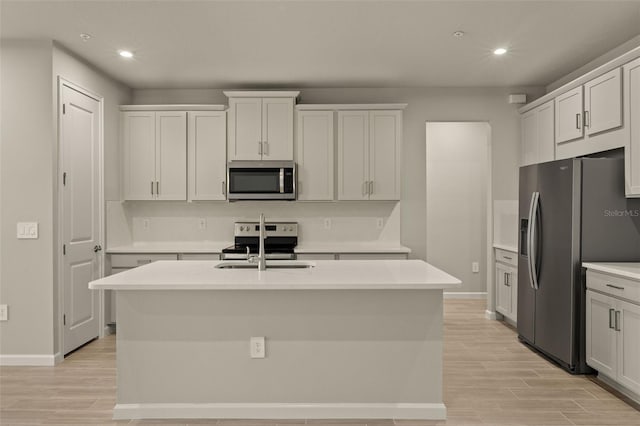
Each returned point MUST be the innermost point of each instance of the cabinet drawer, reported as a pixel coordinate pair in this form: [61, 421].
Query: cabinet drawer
[135, 260]
[507, 257]
[200, 256]
[618, 287]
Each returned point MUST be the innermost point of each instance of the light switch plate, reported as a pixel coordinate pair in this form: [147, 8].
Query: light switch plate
[27, 230]
[4, 312]
[256, 349]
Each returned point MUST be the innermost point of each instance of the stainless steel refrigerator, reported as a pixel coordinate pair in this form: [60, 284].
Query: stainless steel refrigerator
[570, 211]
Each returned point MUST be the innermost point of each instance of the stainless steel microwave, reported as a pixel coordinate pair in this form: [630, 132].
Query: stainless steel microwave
[261, 180]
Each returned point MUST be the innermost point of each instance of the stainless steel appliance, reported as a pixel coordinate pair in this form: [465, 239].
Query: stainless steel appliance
[261, 180]
[281, 239]
[570, 211]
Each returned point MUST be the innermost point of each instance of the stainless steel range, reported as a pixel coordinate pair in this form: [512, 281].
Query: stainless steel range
[281, 239]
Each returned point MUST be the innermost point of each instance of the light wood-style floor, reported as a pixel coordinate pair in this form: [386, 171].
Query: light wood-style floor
[489, 379]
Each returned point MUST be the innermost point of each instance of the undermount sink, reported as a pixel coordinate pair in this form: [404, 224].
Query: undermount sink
[274, 264]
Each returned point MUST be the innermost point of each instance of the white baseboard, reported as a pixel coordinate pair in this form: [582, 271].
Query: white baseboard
[617, 386]
[58, 358]
[432, 411]
[30, 360]
[465, 295]
[490, 315]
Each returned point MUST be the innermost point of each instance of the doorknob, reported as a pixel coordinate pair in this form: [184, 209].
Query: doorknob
[97, 248]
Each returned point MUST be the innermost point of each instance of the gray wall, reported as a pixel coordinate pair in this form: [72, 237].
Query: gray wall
[28, 186]
[425, 104]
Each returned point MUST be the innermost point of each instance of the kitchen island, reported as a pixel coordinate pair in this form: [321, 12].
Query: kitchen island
[343, 339]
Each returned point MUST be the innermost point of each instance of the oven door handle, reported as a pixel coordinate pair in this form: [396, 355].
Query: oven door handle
[282, 180]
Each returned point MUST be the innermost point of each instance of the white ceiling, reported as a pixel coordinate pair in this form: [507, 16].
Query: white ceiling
[263, 44]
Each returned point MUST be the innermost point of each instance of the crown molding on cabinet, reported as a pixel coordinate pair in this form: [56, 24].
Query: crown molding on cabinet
[261, 94]
[347, 107]
[176, 107]
[614, 63]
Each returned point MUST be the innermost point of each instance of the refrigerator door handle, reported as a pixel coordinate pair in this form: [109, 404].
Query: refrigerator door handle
[532, 240]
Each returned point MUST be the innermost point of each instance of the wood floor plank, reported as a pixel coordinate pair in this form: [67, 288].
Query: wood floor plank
[489, 377]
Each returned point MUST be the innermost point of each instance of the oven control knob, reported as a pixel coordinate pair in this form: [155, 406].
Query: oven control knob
[242, 228]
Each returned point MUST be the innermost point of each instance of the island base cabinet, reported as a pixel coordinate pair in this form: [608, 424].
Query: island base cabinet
[329, 354]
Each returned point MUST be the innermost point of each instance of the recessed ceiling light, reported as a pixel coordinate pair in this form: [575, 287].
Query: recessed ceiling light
[125, 54]
[500, 51]
[85, 36]
[458, 34]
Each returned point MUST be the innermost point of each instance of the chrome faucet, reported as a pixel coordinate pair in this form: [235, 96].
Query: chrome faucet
[261, 257]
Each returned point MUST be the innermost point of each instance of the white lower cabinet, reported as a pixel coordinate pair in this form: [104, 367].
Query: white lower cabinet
[613, 329]
[506, 281]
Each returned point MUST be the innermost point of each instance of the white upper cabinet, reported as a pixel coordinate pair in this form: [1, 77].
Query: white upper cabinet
[538, 134]
[369, 150]
[589, 117]
[261, 125]
[171, 155]
[603, 102]
[207, 134]
[139, 148]
[632, 120]
[569, 115]
[314, 155]
[155, 155]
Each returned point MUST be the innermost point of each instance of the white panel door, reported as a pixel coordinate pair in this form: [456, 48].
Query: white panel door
[314, 154]
[603, 102]
[629, 345]
[632, 116]
[353, 155]
[277, 129]
[385, 136]
[569, 115]
[245, 129]
[207, 149]
[80, 128]
[139, 145]
[601, 334]
[529, 129]
[171, 155]
[546, 132]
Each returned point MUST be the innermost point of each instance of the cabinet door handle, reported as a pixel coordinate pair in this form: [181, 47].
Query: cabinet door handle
[224, 189]
[611, 317]
[587, 121]
[364, 188]
[506, 279]
[157, 188]
[615, 286]
[265, 148]
[259, 147]
[151, 187]
[617, 320]
[508, 258]
[578, 120]
[370, 187]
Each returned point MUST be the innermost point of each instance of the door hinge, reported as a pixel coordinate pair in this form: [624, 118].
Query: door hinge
[64, 109]
[64, 249]
[64, 319]
[64, 178]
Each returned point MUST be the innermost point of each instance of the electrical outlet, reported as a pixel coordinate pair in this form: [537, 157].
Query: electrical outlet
[475, 267]
[145, 223]
[202, 223]
[256, 347]
[327, 223]
[4, 312]
[380, 223]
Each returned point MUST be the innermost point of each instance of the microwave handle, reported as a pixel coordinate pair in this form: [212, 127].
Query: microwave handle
[282, 180]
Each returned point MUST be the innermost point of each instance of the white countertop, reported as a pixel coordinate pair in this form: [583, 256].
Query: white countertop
[621, 269]
[172, 247]
[506, 247]
[326, 275]
[351, 247]
[217, 246]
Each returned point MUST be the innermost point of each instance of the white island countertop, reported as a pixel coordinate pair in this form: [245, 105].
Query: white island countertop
[325, 275]
[621, 269]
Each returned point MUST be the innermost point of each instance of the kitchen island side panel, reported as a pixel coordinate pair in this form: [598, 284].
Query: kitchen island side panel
[322, 346]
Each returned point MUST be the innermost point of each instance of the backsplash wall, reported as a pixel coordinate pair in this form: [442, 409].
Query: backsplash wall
[132, 222]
